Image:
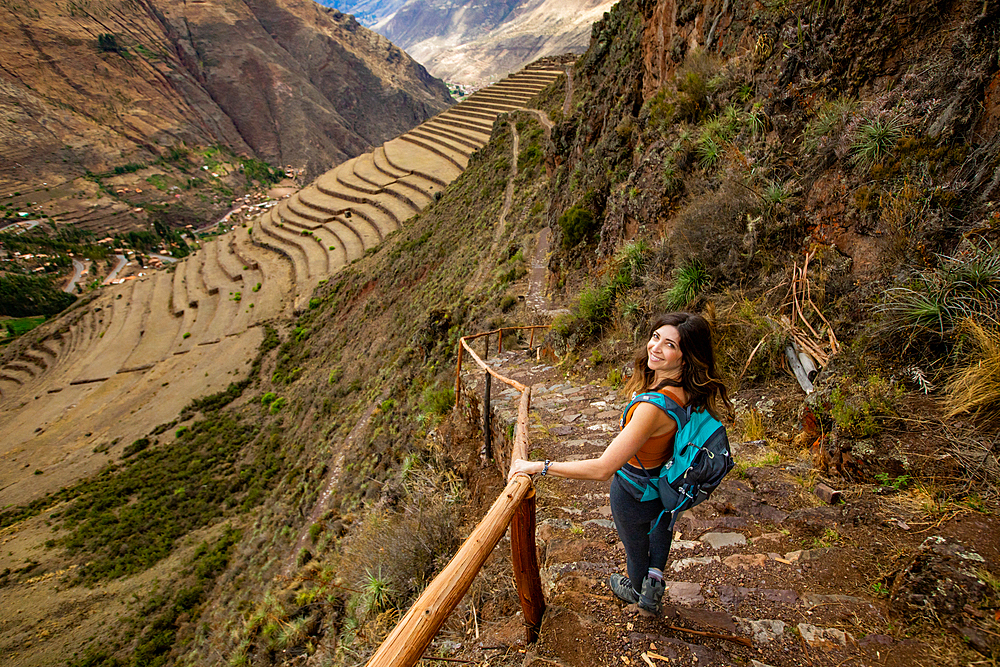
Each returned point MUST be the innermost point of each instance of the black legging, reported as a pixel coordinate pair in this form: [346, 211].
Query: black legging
[632, 520]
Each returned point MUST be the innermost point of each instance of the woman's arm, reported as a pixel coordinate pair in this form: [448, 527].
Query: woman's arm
[646, 420]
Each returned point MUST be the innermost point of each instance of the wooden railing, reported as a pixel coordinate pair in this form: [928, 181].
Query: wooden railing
[515, 507]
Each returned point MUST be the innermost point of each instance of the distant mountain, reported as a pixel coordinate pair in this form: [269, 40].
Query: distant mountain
[87, 86]
[470, 41]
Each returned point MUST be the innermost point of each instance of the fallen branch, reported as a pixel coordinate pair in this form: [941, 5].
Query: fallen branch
[714, 635]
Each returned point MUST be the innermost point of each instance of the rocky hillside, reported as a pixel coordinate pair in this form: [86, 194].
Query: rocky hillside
[473, 42]
[820, 175]
[91, 87]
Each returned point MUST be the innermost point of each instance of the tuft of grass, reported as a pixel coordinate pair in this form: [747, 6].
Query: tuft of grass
[875, 140]
[753, 426]
[831, 119]
[763, 458]
[709, 150]
[937, 301]
[975, 388]
[689, 282]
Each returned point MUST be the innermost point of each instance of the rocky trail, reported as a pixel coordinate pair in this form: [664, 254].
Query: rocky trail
[790, 579]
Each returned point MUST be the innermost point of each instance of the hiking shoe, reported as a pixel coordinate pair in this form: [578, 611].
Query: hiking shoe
[651, 595]
[622, 588]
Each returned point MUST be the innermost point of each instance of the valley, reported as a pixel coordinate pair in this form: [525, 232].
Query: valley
[255, 456]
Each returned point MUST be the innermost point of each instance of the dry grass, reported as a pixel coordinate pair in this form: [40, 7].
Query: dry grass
[753, 425]
[976, 388]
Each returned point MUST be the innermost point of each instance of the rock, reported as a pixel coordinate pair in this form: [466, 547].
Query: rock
[603, 523]
[824, 638]
[684, 592]
[746, 560]
[805, 555]
[762, 631]
[939, 581]
[561, 430]
[720, 540]
[679, 565]
[713, 619]
[685, 544]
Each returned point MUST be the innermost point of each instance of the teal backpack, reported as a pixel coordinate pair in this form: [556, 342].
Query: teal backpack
[701, 458]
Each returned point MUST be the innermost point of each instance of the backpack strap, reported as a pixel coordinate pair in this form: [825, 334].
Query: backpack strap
[673, 410]
[662, 401]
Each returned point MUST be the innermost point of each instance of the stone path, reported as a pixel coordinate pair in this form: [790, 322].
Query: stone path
[735, 566]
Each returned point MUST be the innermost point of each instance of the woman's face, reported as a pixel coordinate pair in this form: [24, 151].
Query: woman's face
[663, 352]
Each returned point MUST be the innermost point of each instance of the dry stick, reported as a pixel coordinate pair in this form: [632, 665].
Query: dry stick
[805, 649]
[739, 640]
[798, 306]
[468, 662]
[752, 356]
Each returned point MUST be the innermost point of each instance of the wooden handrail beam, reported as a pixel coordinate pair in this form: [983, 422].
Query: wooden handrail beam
[506, 380]
[414, 633]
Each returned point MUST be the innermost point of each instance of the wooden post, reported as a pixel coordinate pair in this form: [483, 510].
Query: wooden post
[487, 434]
[500, 341]
[408, 641]
[524, 559]
[531, 341]
[458, 374]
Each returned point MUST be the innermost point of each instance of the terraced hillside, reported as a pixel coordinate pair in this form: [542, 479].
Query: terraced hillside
[88, 384]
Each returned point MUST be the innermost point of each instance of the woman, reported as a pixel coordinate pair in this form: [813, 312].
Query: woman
[678, 361]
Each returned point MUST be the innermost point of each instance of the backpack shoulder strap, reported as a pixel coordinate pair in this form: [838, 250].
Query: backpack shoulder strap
[662, 401]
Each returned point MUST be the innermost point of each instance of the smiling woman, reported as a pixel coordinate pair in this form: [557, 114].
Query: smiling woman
[677, 361]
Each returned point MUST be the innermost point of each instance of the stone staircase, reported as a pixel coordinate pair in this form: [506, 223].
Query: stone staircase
[742, 564]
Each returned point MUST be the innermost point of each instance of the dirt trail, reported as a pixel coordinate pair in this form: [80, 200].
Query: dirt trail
[763, 559]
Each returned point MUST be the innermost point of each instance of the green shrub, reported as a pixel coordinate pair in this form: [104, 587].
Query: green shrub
[438, 401]
[862, 410]
[136, 447]
[577, 224]
[936, 301]
[268, 398]
[277, 405]
[108, 43]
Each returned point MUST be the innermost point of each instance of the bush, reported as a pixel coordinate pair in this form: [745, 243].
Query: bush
[438, 401]
[862, 410]
[108, 43]
[577, 224]
[136, 447]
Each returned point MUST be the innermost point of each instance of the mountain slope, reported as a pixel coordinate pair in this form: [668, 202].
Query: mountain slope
[469, 42]
[88, 86]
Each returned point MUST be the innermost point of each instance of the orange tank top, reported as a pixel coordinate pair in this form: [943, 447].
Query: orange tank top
[660, 448]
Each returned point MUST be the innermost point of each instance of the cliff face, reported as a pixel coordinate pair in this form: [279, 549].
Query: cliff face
[88, 86]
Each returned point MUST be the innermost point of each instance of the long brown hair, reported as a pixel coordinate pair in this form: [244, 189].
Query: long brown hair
[698, 376]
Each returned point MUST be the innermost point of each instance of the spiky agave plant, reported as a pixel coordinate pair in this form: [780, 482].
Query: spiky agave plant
[689, 281]
[875, 139]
